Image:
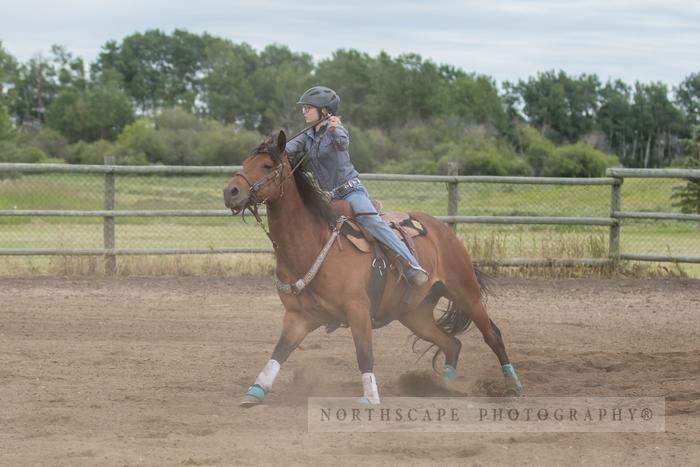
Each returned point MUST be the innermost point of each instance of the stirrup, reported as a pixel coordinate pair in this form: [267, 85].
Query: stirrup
[416, 277]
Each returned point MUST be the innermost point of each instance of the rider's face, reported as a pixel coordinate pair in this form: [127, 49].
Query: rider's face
[310, 113]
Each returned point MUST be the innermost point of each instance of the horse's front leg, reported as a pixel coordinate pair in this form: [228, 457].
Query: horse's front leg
[361, 328]
[295, 327]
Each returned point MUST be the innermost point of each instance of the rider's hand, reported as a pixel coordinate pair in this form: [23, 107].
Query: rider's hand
[333, 123]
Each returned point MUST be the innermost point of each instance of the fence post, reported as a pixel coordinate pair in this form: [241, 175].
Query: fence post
[614, 240]
[108, 221]
[452, 193]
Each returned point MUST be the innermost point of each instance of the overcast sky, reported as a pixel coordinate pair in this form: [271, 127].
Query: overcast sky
[640, 40]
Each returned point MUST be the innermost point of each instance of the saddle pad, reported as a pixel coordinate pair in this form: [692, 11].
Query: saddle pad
[360, 239]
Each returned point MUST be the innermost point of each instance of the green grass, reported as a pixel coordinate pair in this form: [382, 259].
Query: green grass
[84, 192]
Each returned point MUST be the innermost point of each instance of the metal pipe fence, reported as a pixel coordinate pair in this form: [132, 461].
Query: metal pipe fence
[38, 200]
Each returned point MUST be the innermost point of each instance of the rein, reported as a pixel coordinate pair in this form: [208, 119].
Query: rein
[303, 158]
[253, 188]
[253, 203]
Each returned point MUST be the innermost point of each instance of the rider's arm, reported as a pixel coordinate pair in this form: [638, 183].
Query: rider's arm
[295, 145]
[340, 138]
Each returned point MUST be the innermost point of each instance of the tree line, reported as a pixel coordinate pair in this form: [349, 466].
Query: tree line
[184, 98]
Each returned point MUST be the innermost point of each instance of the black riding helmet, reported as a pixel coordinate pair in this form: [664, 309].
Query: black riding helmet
[321, 96]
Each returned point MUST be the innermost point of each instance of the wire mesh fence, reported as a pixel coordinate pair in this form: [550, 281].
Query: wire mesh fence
[42, 194]
[667, 237]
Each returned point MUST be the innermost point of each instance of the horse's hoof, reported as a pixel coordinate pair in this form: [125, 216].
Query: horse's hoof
[513, 392]
[249, 401]
[366, 401]
[449, 375]
[254, 396]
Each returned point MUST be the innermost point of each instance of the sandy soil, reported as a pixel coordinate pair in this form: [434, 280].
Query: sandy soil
[149, 371]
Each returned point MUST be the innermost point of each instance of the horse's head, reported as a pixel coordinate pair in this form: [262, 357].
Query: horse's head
[261, 179]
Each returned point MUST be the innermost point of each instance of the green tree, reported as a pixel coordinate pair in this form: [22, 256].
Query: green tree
[656, 122]
[563, 108]
[36, 83]
[69, 70]
[100, 112]
[8, 75]
[35, 86]
[279, 81]
[229, 94]
[157, 69]
[348, 72]
[688, 98]
[687, 197]
[475, 98]
[5, 126]
[403, 89]
[615, 118]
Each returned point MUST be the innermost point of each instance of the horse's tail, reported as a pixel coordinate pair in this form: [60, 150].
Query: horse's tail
[485, 282]
[454, 319]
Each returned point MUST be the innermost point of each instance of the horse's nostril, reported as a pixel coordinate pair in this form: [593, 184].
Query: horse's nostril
[234, 191]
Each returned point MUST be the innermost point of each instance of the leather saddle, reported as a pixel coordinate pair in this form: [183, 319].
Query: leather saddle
[402, 224]
[404, 227]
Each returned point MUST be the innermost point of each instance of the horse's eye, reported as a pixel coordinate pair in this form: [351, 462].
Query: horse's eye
[267, 167]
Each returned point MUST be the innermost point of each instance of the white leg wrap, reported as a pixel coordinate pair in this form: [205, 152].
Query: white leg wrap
[369, 385]
[268, 374]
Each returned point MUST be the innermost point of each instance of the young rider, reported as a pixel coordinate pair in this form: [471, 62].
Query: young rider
[326, 147]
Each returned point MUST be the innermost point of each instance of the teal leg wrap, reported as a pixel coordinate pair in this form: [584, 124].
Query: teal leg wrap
[449, 373]
[256, 391]
[509, 372]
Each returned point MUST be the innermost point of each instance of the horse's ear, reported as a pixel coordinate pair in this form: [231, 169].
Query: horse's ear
[281, 141]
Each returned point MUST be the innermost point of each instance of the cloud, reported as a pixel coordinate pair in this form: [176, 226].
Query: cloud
[635, 40]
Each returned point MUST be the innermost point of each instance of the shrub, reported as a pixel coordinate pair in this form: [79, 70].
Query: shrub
[8, 151]
[93, 153]
[141, 137]
[578, 160]
[5, 126]
[482, 155]
[30, 154]
[225, 145]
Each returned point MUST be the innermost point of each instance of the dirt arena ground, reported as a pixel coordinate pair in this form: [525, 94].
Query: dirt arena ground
[149, 371]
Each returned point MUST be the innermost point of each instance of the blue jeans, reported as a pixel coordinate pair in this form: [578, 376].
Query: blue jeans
[360, 202]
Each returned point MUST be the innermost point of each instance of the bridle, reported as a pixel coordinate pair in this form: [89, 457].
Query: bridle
[253, 188]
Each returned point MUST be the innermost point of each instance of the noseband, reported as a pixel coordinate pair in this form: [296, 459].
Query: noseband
[253, 188]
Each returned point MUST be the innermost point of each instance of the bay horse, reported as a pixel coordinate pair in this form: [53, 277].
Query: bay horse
[302, 223]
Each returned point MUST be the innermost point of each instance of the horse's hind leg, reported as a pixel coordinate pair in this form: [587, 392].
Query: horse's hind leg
[469, 297]
[295, 327]
[422, 322]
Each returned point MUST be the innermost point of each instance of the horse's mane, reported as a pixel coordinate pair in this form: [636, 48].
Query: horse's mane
[311, 195]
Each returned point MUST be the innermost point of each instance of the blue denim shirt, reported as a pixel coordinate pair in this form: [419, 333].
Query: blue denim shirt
[327, 154]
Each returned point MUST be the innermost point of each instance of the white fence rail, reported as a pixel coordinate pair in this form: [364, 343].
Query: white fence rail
[110, 251]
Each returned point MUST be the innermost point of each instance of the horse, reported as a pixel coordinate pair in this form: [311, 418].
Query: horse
[302, 227]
